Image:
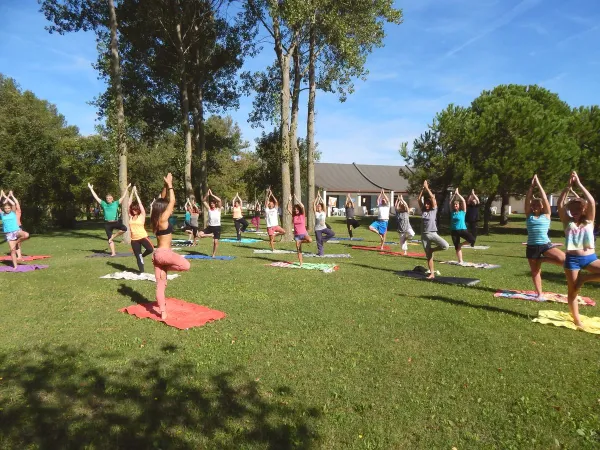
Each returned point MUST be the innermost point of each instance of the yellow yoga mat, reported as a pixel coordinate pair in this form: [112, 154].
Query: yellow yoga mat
[563, 319]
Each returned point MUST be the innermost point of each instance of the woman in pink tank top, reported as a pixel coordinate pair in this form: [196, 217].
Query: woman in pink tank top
[301, 236]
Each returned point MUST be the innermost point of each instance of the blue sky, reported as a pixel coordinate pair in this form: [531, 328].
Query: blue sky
[446, 51]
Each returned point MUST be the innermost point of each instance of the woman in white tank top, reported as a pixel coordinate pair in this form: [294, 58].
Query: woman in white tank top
[214, 206]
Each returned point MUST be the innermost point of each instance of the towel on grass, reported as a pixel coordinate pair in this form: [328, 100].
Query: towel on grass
[221, 258]
[443, 280]
[326, 268]
[242, 241]
[108, 255]
[475, 247]
[408, 254]
[23, 268]
[276, 251]
[307, 255]
[473, 265]
[182, 243]
[548, 296]
[180, 314]
[564, 319]
[136, 276]
[25, 258]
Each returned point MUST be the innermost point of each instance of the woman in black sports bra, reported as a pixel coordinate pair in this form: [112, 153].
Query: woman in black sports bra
[165, 259]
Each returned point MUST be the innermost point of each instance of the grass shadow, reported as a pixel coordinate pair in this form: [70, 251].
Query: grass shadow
[495, 309]
[67, 399]
[134, 295]
[120, 267]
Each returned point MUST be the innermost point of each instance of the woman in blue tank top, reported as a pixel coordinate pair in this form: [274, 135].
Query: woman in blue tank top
[11, 225]
[539, 248]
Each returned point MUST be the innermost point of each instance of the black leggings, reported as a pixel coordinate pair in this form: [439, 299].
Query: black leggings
[109, 227]
[136, 246]
[240, 223]
[464, 234]
[472, 227]
[352, 223]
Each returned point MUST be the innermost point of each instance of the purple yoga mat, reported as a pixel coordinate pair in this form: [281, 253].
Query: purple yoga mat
[23, 268]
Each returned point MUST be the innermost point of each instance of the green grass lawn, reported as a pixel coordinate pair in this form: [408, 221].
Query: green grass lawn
[359, 358]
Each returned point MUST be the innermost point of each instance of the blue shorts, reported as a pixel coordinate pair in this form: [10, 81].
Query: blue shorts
[299, 237]
[577, 262]
[380, 226]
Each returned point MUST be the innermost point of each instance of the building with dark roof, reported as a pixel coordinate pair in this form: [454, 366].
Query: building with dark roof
[364, 183]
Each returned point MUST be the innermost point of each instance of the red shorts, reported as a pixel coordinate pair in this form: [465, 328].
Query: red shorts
[272, 230]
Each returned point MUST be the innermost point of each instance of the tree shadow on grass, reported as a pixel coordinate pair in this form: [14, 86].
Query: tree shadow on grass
[63, 398]
[455, 302]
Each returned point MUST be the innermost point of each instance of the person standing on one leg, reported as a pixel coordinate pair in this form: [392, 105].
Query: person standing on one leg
[472, 216]
[458, 227]
[238, 218]
[139, 236]
[192, 225]
[165, 259]
[301, 236]
[214, 206]
[351, 222]
[404, 229]
[539, 249]
[383, 217]
[432, 242]
[10, 226]
[16, 206]
[256, 216]
[111, 216]
[322, 233]
[577, 216]
[272, 218]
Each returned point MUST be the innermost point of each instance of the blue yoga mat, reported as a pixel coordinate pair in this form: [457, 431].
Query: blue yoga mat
[242, 241]
[223, 258]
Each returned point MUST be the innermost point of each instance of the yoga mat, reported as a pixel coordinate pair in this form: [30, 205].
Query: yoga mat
[473, 265]
[242, 241]
[563, 319]
[307, 255]
[136, 276]
[25, 258]
[221, 258]
[476, 247]
[554, 244]
[549, 296]
[181, 243]
[408, 254]
[347, 239]
[276, 251]
[443, 280]
[373, 249]
[326, 268]
[180, 314]
[108, 255]
[23, 268]
[255, 232]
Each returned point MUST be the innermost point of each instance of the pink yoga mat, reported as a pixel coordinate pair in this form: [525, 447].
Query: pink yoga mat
[22, 268]
[25, 258]
[182, 315]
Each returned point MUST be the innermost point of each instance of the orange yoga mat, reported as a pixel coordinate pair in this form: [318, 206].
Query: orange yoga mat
[386, 248]
[25, 258]
[408, 254]
[182, 315]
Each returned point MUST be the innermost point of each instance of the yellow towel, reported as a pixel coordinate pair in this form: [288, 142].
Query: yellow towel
[563, 319]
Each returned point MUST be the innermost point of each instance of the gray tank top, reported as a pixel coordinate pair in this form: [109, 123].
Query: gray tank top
[350, 213]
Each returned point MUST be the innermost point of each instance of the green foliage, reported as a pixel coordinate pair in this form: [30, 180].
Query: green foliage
[586, 130]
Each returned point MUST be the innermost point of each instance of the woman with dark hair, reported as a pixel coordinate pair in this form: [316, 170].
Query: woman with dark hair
[301, 236]
[111, 216]
[256, 216]
[577, 216]
[238, 218]
[432, 242]
[351, 222]
[322, 233]
[191, 227]
[165, 259]
[139, 237]
[214, 206]
[539, 248]
[458, 226]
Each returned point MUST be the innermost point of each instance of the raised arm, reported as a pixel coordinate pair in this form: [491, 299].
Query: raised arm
[316, 201]
[586, 194]
[562, 201]
[384, 195]
[475, 198]
[205, 200]
[529, 197]
[431, 196]
[219, 202]
[137, 197]
[8, 198]
[124, 193]
[379, 197]
[169, 189]
[298, 201]
[403, 202]
[289, 205]
[274, 200]
[420, 199]
[94, 193]
[546, 204]
[461, 199]
[2, 195]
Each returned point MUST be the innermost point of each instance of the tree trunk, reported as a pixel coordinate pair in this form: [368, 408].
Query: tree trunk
[200, 144]
[115, 75]
[185, 113]
[310, 130]
[504, 209]
[487, 214]
[294, 127]
[284, 130]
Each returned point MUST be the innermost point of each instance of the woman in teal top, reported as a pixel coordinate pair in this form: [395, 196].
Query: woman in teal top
[11, 217]
[539, 248]
[111, 216]
[458, 226]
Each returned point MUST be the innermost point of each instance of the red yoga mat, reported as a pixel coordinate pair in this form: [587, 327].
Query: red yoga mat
[373, 249]
[25, 258]
[408, 254]
[182, 315]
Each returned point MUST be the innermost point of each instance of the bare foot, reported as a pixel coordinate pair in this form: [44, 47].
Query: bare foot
[163, 315]
[431, 277]
[405, 253]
